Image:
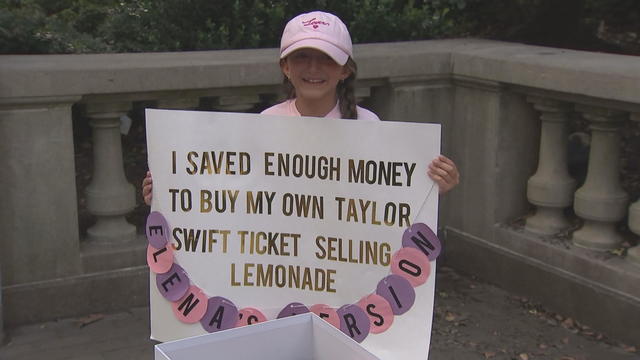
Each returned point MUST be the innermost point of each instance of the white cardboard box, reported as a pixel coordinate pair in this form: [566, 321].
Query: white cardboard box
[300, 337]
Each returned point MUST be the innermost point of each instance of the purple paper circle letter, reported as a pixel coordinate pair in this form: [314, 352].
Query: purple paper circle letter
[173, 284]
[354, 322]
[157, 230]
[421, 237]
[294, 308]
[398, 292]
[221, 314]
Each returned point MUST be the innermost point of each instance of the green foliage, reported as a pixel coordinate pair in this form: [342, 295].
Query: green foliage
[72, 26]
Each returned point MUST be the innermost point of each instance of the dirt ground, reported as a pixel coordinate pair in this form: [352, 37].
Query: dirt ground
[475, 320]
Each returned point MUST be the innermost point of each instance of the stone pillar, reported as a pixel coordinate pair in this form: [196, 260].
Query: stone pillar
[633, 254]
[235, 103]
[109, 195]
[550, 189]
[601, 202]
[1, 312]
[38, 203]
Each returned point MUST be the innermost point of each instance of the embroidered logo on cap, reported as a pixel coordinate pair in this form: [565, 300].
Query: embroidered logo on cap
[315, 23]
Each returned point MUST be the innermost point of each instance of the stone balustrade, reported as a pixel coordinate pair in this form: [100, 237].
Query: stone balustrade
[505, 110]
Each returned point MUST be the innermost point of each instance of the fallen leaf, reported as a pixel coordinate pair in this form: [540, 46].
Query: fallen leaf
[565, 340]
[523, 356]
[89, 319]
[568, 322]
[489, 354]
[630, 349]
[542, 346]
[567, 358]
[449, 316]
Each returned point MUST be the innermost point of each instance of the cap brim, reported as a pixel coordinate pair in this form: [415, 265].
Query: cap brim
[337, 54]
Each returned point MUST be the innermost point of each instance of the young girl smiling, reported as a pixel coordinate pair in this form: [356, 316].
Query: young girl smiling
[316, 59]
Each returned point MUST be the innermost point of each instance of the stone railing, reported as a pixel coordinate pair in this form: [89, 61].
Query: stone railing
[505, 110]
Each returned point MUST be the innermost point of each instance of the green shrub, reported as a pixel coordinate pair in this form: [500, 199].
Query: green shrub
[71, 26]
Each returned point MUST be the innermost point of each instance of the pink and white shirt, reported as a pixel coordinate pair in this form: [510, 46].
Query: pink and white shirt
[288, 108]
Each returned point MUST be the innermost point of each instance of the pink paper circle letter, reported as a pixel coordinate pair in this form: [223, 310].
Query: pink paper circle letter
[327, 313]
[159, 260]
[248, 316]
[379, 312]
[191, 307]
[411, 264]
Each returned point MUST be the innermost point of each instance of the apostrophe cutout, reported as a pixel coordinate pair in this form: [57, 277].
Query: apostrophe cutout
[379, 312]
[327, 313]
[412, 264]
[159, 260]
[173, 284]
[222, 314]
[294, 308]
[157, 230]
[398, 292]
[248, 316]
[354, 322]
[192, 306]
[421, 237]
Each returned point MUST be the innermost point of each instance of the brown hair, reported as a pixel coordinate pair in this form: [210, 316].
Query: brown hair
[345, 90]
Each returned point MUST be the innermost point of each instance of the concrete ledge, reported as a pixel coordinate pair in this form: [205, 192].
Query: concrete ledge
[597, 291]
[96, 258]
[612, 77]
[74, 296]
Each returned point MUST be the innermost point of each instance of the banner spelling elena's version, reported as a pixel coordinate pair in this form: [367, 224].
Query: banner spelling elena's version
[256, 217]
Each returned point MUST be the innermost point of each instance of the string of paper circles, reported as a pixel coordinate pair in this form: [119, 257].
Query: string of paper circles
[374, 313]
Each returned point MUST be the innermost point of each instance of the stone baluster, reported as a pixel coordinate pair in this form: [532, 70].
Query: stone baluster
[235, 103]
[633, 254]
[179, 103]
[551, 188]
[109, 195]
[601, 202]
[362, 93]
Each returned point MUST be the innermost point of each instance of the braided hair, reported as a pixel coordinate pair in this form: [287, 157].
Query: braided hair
[345, 91]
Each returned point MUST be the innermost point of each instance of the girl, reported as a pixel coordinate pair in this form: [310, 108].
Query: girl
[319, 73]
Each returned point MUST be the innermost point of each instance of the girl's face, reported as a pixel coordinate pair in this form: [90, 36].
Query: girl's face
[313, 74]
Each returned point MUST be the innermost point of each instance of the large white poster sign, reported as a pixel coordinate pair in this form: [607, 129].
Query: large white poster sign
[256, 217]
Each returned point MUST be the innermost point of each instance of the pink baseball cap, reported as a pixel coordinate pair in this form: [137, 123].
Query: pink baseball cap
[318, 30]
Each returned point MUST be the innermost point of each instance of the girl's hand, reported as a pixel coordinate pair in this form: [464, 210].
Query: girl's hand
[444, 172]
[147, 188]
